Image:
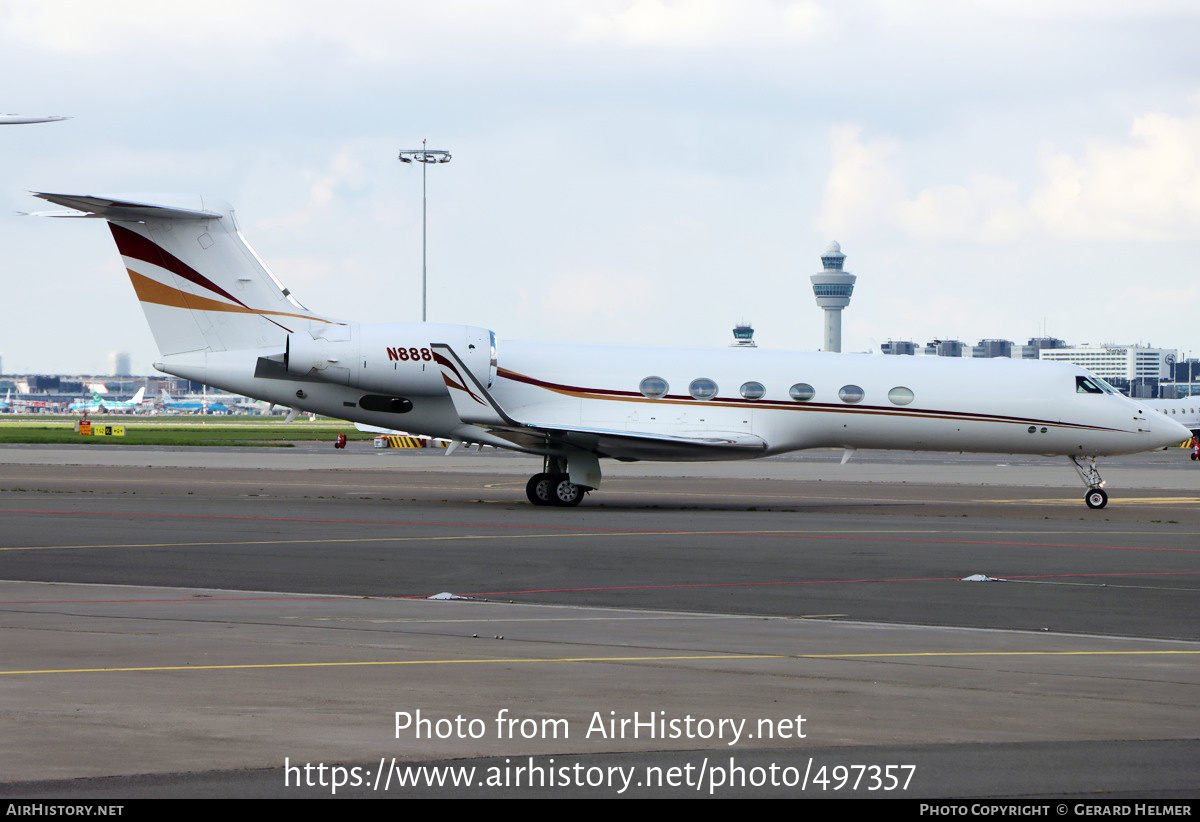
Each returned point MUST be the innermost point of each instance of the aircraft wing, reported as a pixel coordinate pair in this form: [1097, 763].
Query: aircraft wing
[633, 445]
[375, 429]
[475, 405]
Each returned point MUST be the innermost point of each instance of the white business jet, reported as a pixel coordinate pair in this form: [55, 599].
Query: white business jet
[220, 317]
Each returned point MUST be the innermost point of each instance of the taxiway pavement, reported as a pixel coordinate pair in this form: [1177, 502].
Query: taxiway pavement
[185, 622]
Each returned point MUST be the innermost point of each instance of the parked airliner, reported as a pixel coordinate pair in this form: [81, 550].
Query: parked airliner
[99, 405]
[220, 317]
[192, 406]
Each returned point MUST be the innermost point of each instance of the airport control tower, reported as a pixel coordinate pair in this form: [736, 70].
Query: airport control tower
[743, 336]
[832, 287]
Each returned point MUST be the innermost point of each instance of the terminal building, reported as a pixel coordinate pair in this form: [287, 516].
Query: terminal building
[983, 349]
[1185, 381]
[52, 393]
[1119, 362]
[1136, 370]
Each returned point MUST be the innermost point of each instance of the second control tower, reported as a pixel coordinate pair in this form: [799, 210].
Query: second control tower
[832, 287]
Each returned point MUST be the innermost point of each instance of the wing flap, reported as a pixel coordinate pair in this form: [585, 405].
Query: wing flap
[635, 445]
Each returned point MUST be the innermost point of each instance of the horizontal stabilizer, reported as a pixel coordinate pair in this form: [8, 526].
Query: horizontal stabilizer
[78, 215]
[130, 210]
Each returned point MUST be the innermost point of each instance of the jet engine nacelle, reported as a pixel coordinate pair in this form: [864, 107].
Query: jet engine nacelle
[396, 359]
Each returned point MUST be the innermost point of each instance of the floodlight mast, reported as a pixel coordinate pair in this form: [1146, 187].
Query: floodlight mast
[424, 156]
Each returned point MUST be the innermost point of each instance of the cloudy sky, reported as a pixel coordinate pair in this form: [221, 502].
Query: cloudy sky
[643, 171]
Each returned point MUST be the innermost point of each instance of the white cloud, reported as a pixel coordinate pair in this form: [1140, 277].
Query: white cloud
[141, 27]
[863, 185]
[986, 209]
[695, 144]
[866, 194]
[700, 23]
[222, 31]
[595, 296]
[1143, 188]
[446, 34]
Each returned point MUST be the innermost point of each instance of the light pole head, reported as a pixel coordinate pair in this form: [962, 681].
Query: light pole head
[421, 155]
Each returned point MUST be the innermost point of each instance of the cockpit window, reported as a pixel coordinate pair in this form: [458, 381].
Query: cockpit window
[1083, 385]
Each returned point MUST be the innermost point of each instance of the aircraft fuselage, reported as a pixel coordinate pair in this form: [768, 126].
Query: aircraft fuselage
[788, 400]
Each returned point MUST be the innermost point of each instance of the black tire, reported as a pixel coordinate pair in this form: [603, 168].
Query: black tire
[1095, 498]
[540, 489]
[566, 493]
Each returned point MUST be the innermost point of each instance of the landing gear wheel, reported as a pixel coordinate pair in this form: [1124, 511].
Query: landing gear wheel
[567, 493]
[540, 489]
[1096, 498]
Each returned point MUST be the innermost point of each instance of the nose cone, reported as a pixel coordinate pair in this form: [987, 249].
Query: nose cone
[1166, 431]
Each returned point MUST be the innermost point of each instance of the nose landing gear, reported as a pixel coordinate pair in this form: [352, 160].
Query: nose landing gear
[1096, 497]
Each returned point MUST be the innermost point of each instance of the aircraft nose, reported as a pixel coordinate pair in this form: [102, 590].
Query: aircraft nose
[1167, 431]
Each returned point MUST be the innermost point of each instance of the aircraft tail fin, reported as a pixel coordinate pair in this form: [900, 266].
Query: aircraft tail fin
[201, 286]
[137, 398]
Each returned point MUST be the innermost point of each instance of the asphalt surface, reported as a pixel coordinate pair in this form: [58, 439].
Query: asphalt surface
[196, 622]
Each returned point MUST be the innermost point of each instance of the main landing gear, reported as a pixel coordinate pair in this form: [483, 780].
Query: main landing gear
[554, 487]
[1095, 496]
